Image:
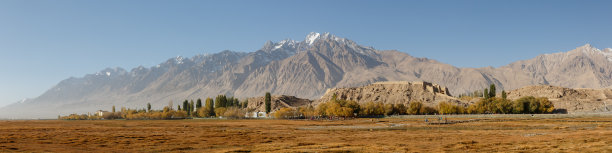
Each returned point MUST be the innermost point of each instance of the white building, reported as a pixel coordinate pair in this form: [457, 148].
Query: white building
[100, 113]
[256, 115]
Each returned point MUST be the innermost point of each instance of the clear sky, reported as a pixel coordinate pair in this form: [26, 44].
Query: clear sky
[43, 42]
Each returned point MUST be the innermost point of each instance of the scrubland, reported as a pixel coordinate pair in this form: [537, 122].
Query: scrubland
[465, 133]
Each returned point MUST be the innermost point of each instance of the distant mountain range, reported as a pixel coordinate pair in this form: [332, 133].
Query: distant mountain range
[305, 69]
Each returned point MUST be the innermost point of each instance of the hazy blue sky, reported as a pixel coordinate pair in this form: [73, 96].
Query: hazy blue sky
[44, 42]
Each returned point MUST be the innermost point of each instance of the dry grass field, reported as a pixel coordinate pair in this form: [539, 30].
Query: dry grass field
[400, 134]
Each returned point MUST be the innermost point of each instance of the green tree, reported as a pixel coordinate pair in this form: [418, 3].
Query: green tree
[186, 106]
[486, 93]
[113, 108]
[268, 102]
[492, 91]
[220, 101]
[191, 106]
[199, 103]
[236, 102]
[148, 107]
[178, 107]
[522, 105]
[210, 106]
[503, 105]
[504, 96]
[229, 101]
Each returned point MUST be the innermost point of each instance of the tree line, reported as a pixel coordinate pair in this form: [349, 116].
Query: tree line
[231, 107]
[222, 106]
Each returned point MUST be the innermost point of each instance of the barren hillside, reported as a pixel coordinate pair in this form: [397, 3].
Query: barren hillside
[573, 100]
[277, 102]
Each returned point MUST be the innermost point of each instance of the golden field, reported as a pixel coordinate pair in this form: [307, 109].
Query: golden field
[477, 133]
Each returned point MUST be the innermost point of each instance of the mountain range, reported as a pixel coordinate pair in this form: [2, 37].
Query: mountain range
[304, 69]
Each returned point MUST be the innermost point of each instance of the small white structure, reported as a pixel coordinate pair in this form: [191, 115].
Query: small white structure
[256, 115]
[100, 113]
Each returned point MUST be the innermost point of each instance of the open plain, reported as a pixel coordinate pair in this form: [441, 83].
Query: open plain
[465, 133]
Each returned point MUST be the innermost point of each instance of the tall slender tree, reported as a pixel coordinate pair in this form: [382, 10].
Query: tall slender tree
[504, 95]
[268, 103]
[113, 108]
[148, 107]
[486, 93]
[191, 107]
[186, 106]
[492, 91]
[198, 104]
[210, 106]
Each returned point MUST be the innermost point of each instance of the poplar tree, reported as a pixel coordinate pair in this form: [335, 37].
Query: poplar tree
[210, 106]
[492, 91]
[220, 101]
[186, 106]
[191, 106]
[268, 102]
[199, 104]
[148, 107]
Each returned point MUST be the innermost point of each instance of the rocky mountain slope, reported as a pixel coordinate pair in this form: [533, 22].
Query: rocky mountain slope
[305, 69]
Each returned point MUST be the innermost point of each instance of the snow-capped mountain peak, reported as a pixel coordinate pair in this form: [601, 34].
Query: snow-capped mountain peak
[312, 37]
[179, 59]
[286, 42]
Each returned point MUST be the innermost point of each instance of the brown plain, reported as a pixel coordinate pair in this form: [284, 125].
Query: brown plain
[587, 134]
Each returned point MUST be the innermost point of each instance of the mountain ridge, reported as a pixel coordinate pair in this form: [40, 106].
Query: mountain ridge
[304, 69]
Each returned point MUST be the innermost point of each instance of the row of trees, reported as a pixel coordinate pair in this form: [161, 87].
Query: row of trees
[221, 106]
[486, 93]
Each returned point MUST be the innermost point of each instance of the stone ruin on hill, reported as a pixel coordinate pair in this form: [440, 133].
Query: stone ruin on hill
[394, 92]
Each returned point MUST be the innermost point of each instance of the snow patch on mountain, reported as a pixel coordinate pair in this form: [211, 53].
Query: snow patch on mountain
[310, 38]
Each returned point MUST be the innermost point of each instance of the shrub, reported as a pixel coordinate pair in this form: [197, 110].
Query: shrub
[285, 113]
[340, 108]
[545, 105]
[220, 111]
[307, 111]
[234, 112]
[415, 108]
[449, 108]
[372, 109]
